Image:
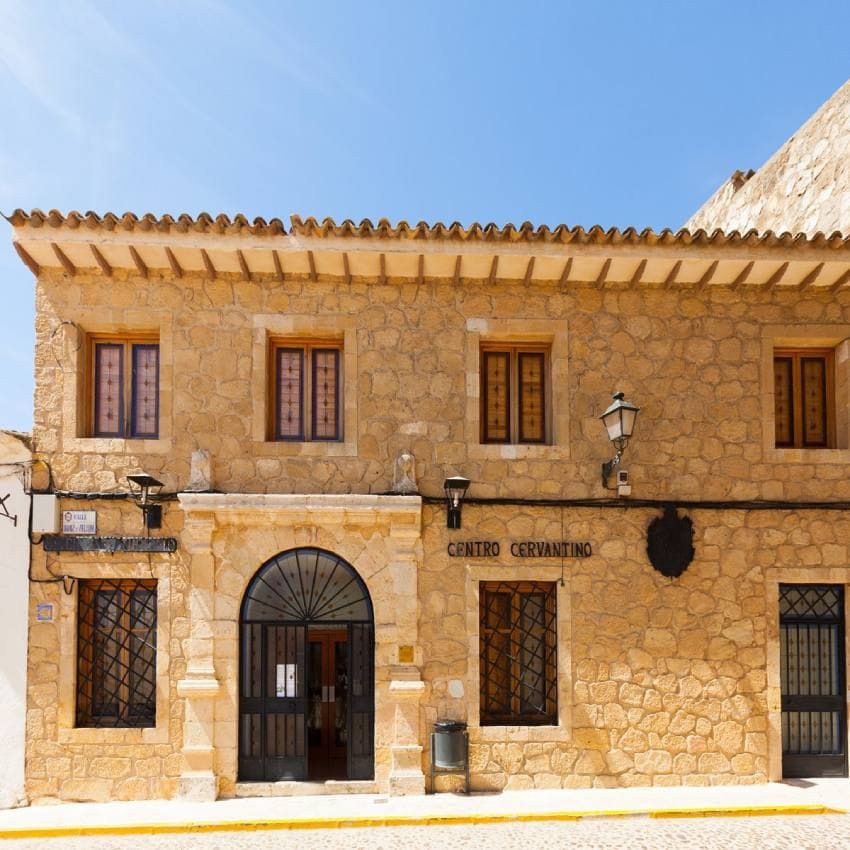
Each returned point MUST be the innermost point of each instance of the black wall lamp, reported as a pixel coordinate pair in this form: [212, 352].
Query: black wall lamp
[619, 420]
[141, 485]
[455, 488]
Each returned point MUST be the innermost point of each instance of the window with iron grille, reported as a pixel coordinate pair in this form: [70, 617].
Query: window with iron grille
[116, 653]
[513, 394]
[518, 653]
[804, 398]
[124, 387]
[306, 391]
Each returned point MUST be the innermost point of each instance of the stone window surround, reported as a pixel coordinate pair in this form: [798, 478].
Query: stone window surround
[562, 733]
[68, 733]
[75, 338]
[836, 337]
[331, 327]
[773, 578]
[551, 332]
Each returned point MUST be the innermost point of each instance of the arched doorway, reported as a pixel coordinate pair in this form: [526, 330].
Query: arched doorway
[306, 671]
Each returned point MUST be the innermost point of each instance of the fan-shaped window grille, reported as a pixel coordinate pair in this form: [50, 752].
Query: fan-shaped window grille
[306, 585]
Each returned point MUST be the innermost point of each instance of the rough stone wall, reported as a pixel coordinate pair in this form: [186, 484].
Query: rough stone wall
[803, 187]
[103, 764]
[669, 681]
[666, 679]
[692, 361]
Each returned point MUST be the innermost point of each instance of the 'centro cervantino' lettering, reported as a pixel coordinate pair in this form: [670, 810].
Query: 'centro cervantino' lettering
[521, 549]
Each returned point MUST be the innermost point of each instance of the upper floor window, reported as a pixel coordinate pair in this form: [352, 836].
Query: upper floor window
[514, 405]
[307, 383]
[804, 398]
[116, 653]
[125, 387]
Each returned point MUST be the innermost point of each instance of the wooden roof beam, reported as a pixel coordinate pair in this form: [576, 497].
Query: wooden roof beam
[346, 269]
[312, 261]
[840, 281]
[603, 274]
[278, 268]
[672, 274]
[529, 270]
[28, 261]
[243, 264]
[494, 269]
[101, 261]
[208, 263]
[742, 277]
[777, 276]
[63, 259]
[141, 267]
[811, 277]
[172, 261]
[708, 275]
[641, 267]
[565, 274]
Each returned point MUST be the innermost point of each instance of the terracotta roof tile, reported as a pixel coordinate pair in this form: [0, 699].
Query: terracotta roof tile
[183, 223]
[385, 229]
[527, 232]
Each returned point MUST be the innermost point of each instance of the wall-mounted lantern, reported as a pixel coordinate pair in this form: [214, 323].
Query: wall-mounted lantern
[619, 420]
[455, 488]
[141, 485]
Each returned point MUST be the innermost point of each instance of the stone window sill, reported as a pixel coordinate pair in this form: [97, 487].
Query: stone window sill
[316, 448]
[519, 734]
[117, 445]
[112, 736]
[516, 451]
[816, 456]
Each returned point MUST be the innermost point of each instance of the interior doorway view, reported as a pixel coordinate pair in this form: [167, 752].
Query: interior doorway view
[814, 711]
[306, 677]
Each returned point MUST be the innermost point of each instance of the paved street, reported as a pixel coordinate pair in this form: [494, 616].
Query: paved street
[801, 832]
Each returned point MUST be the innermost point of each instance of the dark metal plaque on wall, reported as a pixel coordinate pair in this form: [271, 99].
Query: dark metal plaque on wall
[670, 543]
[84, 543]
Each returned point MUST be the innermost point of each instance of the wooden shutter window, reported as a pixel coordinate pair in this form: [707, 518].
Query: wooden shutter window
[325, 379]
[804, 404]
[783, 371]
[513, 394]
[518, 653]
[814, 401]
[306, 381]
[290, 394]
[145, 391]
[109, 389]
[116, 653]
[496, 397]
[496, 616]
[532, 410]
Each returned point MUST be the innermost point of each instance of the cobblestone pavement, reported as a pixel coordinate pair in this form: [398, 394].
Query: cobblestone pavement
[801, 832]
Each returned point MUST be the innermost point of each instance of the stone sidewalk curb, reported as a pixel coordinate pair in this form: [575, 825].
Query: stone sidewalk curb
[176, 827]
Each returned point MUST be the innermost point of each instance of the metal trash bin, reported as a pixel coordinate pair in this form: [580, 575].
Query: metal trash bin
[450, 750]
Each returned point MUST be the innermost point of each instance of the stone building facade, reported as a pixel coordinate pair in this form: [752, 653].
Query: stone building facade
[541, 621]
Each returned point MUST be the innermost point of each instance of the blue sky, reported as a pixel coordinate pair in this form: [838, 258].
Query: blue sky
[616, 113]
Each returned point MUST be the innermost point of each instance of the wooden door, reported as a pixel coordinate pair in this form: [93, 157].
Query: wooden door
[327, 694]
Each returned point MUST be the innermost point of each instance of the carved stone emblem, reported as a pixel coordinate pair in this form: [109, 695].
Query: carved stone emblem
[670, 543]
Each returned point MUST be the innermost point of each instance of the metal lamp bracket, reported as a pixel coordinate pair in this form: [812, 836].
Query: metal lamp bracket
[5, 510]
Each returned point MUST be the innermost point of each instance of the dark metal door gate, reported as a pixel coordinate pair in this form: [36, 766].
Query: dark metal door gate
[306, 680]
[812, 675]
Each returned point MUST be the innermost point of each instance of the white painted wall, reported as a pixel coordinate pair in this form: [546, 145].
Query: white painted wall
[14, 596]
